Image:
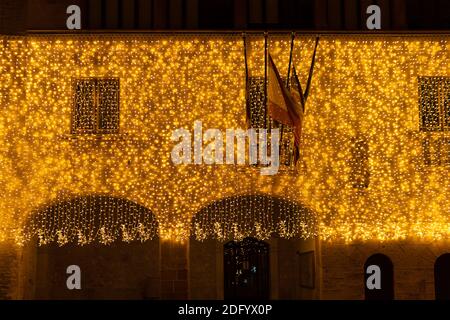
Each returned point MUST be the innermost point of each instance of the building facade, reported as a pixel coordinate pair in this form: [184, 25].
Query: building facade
[88, 177]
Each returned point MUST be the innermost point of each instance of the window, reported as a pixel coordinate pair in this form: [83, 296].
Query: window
[95, 105]
[436, 151]
[442, 277]
[259, 118]
[256, 100]
[359, 163]
[434, 103]
[379, 278]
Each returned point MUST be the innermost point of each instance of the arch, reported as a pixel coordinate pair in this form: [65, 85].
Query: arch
[263, 216]
[379, 277]
[287, 227]
[114, 241]
[90, 218]
[442, 277]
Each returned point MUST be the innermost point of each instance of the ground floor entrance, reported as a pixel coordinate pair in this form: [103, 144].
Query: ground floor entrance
[246, 269]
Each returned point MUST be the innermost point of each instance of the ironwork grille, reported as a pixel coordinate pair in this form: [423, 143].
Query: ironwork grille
[359, 163]
[246, 269]
[259, 118]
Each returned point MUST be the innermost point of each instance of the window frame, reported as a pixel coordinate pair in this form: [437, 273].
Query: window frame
[436, 150]
[96, 107]
[387, 291]
[359, 162]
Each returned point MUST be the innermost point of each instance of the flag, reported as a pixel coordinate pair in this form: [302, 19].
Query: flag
[247, 87]
[282, 105]
[287, 106]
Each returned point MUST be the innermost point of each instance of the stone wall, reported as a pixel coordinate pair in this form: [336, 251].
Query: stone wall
[142, 275]
[343, 274]
[203, 267]
[8, 271]
[174, 273]
[116, 271]
[206, 262]
[150, 270]
[289, 270]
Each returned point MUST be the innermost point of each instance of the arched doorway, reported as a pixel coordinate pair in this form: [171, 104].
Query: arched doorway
[226, 244]
[116, 270]
[246, 269]
[379, 278]
[442, 277]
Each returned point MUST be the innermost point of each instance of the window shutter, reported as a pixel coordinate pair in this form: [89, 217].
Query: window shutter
[83, 115]
[108, 105]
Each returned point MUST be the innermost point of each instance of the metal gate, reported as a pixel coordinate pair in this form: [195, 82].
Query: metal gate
[246, 269]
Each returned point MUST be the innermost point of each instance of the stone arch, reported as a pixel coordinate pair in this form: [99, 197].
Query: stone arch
[113, 240]
[385, 267]
[255, 215]
[442, 277]
[91, 218]
[288, 228]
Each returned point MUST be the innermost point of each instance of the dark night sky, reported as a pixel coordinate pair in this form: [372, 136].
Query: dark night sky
[21, 15]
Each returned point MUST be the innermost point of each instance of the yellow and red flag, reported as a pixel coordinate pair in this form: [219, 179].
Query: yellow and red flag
[282, 105]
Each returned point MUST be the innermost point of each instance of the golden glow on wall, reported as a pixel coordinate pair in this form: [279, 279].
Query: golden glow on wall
[364, 87]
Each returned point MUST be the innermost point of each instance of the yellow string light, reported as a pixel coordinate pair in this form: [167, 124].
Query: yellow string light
[364, 87]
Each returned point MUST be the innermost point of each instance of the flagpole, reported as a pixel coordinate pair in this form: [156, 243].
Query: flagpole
[265, 79]
[311, 70]
[247, 104]
[288, 83]
[290, 60]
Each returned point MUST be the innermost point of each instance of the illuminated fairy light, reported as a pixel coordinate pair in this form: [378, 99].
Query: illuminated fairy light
[364, 88]
[255, 215]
